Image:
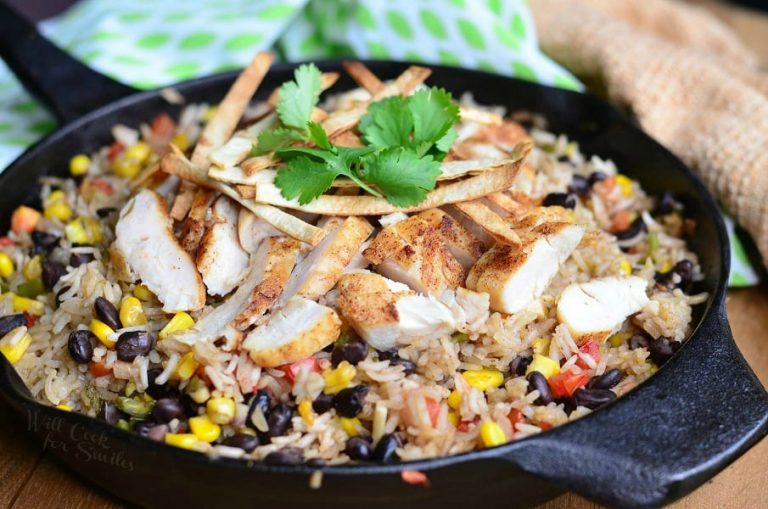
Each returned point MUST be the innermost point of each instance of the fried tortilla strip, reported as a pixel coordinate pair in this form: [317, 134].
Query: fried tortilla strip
[183, 201]
[471, 188]
[145, 177]
[341, 121]
[193, 228]
[489, 221]
[506, 203]
[175, 163]
[235, 175]
[247, 192]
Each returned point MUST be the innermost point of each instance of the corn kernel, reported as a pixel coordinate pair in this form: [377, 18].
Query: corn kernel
[625, 184]
[64, 407]
[221, 410]
[6, 265]
[626, 267]
[350, 426]
[654, 368]
[454, 399]
[83, 230]
[56, 196]
[198, 390]
[186, 366]
[21, 304]
[618, 339]
[58, 210]
[138, 153]
[540, 345]
[379, 422]
[79, 165]
[453, 418]
[543, 365]
[180, 321]
[484, 379]
[492, 434]
[14, 344]
[204, 428]
[182, 440]
[131, 312]
[181, 141]
[33, 269]
[102, 331]
[666, 266]
[339, 378]
[126, 168]
[306, 413]
[141, 292]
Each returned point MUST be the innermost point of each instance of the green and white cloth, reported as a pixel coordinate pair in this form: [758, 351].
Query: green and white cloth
[147, 44]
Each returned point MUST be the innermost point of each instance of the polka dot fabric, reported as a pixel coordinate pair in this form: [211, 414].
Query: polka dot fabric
[148, 44]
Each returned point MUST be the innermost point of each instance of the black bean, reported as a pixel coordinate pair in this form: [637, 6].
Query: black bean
[285, 456]
[60, 293]
[110, 414]
[157, 432]
[78, 259]
[167, 409]
[565, 200]
[537, 382]
[316, 462]
[352, 352]
[242, 441]
[579, 186]
[52, 272]
[386, 449]
[43, 241]
[105, 211]
[359, 448]
[638, 341]
[190, 405]
[519, 365]
[635, 228]
[10, 322]
[662, 349]
[279, 419]
[322, 403]
[142, 428]
[684, 269]
[605, 381]
[666, 203]
[349, 402]
[107, 313]
[593, 398]
[80, 346]
[569, 404]
[133, 344]
[159, 391]
[260, 400]
[595, 177]
[395, 360]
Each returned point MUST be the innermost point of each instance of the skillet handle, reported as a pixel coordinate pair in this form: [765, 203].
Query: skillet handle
[66, 87]
[700, 412]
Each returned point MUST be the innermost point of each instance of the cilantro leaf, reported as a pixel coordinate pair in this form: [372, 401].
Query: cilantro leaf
[305, 179]
[388, 123]
[318, 136]
[273, 139]
[433, 114]
[444, 144]
[297, 98]
[401, 175]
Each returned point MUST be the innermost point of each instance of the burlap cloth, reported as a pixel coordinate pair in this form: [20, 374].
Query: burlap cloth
[690, 82]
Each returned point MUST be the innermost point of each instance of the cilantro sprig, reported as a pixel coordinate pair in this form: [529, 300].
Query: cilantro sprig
[405, 140]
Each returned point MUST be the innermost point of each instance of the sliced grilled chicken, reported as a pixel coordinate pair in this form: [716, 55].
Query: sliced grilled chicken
[282, 255]
[596, 309]
[385, 313]
[489, 220]
[252, 230]
[144, 238]
[221, 260]
[516, 275]
[413, 252]
[316, 274]
[296, 331]
[470, 309]
[472, 227]
[463, 245]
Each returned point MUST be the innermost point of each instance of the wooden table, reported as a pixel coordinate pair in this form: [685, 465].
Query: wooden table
[29, 478]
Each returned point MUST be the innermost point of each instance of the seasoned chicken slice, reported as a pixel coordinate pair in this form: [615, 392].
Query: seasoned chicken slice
[144, 238]
[252, 230]
[221, 260]
[282, 254]
[316, 274]
[463, 245]
[594, 310]
[413, 252]
[516, 275]
[469, 225]
[385, 313]
[296, 331]
[471, 310]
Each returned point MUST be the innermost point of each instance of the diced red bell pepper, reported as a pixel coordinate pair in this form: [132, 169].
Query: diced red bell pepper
[515, 416]
[163, 126]
[592, 349]
[291, 370]
[545, 426]
[565, 383]
[98, 369]
[103, 186]
[433, 408]
[115, 150]
[5, 241]
[464, 425]
[24, 219]
[30, 318]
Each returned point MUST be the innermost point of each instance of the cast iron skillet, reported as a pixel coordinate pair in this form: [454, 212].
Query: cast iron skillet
[701, 411]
